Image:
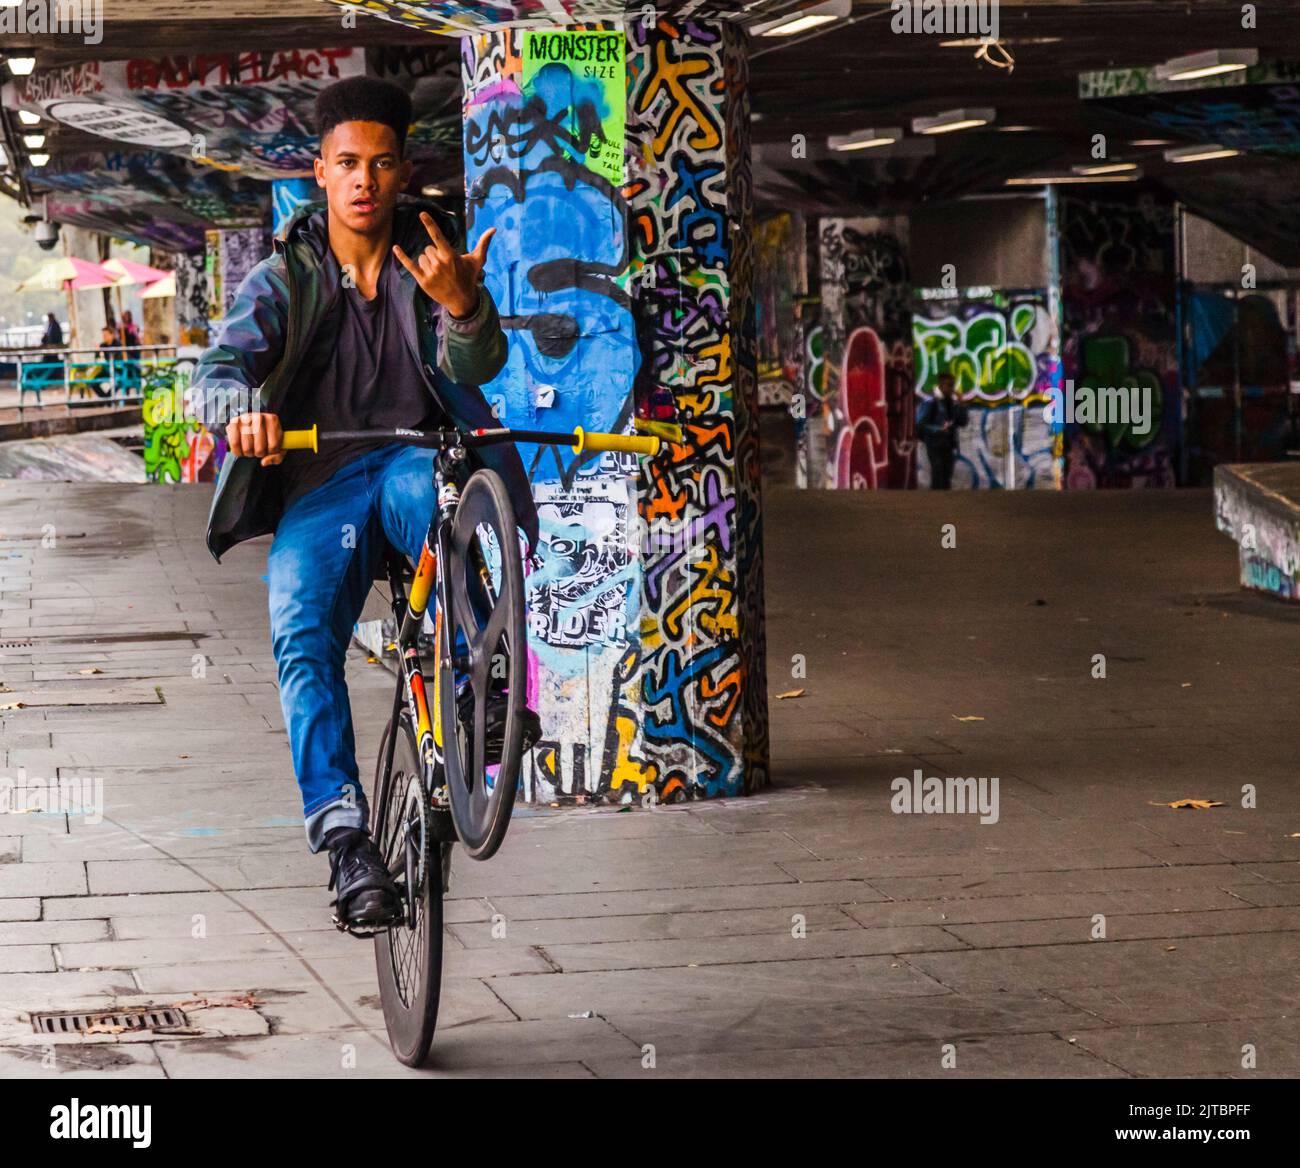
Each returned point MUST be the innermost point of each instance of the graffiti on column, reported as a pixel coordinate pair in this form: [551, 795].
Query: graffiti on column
[703, 679]
[557, 273]
[192, 297]
[868, 415]
[1119, 311]
[612, 291]
[1002, 353]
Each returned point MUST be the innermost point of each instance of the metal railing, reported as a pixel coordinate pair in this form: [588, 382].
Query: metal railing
[110, 377]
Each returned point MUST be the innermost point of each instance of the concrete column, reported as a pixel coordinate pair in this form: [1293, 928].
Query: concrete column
[867, 416]
[619, 185]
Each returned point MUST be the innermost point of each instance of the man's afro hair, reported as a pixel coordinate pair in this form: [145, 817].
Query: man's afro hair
[364, 99]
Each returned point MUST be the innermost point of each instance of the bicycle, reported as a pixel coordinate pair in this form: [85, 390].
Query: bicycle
[434, 785]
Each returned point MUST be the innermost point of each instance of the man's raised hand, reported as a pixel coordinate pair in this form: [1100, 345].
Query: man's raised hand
[444, 276]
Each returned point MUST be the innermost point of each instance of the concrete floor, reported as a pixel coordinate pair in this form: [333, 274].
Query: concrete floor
[805, 931]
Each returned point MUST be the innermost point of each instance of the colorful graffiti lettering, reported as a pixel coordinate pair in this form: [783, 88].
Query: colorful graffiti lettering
[1002, 355]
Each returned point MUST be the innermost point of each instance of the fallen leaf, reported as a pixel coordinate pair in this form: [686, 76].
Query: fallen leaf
[103, 1028]
[92, 669]
[13, 706]
[1170, 948]
[793, 693]
[1193, 804]
[968, 717]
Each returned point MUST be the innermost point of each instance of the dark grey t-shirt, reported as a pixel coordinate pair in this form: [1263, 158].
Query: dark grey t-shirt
[361, 375]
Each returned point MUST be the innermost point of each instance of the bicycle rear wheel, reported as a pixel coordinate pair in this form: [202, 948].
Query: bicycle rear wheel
[408, 956]
[482, 591]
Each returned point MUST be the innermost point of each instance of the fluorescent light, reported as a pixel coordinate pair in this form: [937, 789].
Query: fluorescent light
[1016, 129]
[432, 192]
[38, 159]
[4, 158]
[1105, 168]
[33, 141]
[865, 139]
[20, 66]
[1208, 64]
[950, 120]
[973, 42]
[1152, 142]
[26, 116]
[1056, 180]
[1199, 153]
[793, 23]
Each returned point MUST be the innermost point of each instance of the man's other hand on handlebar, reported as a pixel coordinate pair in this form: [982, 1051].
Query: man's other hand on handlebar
[256, 436]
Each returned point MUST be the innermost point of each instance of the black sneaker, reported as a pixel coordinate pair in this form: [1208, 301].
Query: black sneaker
[495, 722]
[367, 898]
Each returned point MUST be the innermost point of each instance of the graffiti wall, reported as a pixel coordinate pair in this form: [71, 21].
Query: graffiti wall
[177, 449]
[1263, 523]
[609, 165]
[1003, 353]
[1120, 323]
[866, 418]
[192, 297]
[230, 256]
[780, 279]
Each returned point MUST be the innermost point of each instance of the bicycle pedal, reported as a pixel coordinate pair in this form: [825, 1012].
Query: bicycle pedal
[362, 932]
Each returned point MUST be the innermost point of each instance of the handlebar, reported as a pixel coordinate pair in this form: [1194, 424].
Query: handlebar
[579, 441]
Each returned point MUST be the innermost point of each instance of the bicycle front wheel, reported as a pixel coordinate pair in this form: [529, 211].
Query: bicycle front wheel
[408, 956]
[485, 690]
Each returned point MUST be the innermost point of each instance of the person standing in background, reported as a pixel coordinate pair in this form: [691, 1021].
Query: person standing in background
[938, 421]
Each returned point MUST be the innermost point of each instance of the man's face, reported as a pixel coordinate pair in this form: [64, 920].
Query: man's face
[362, 173]
[945, 385]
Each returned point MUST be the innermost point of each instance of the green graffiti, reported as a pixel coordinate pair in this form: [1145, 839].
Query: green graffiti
[1105, 363]
[988, 355]
[166, 429]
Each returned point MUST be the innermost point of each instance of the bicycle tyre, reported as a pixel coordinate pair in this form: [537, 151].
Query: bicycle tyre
[481, 809]
[409, 996]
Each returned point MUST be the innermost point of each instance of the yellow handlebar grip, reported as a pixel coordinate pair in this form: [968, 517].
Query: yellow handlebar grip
[624, 443]
[300, 440]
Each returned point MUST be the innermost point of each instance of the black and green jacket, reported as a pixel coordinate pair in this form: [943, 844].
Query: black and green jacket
[274, 325]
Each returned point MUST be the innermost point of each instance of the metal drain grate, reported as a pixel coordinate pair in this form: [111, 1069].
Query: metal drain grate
[131, 1018]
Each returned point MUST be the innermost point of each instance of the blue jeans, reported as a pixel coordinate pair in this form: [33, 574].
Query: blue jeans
[321, 566]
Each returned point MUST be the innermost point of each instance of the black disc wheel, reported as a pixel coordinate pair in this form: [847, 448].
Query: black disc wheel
[408, 956]
[484, 693]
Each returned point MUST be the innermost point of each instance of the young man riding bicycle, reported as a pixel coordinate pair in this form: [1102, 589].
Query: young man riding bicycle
[367, 316]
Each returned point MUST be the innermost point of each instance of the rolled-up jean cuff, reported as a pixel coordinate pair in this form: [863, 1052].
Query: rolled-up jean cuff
[331, 816]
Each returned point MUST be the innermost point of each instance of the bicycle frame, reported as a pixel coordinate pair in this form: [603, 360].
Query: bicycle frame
[409, 609]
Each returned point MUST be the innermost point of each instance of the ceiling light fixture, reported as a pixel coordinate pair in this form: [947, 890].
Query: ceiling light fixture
[432, 191]
[951, 120]
[28, 118]
[38, 159]
[865, 139]
[975, 42]
[33, 141]
[793, 23]
[1209, 64]
[1199, 153]
[1152, 142]
[1105, 168]
[20, 66]
[1016, 129]
[1055, 180]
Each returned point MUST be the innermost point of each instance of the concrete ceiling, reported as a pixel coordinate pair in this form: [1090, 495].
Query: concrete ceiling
[857, 74]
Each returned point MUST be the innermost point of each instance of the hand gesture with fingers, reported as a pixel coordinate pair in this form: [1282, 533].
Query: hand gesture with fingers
[444, 276]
